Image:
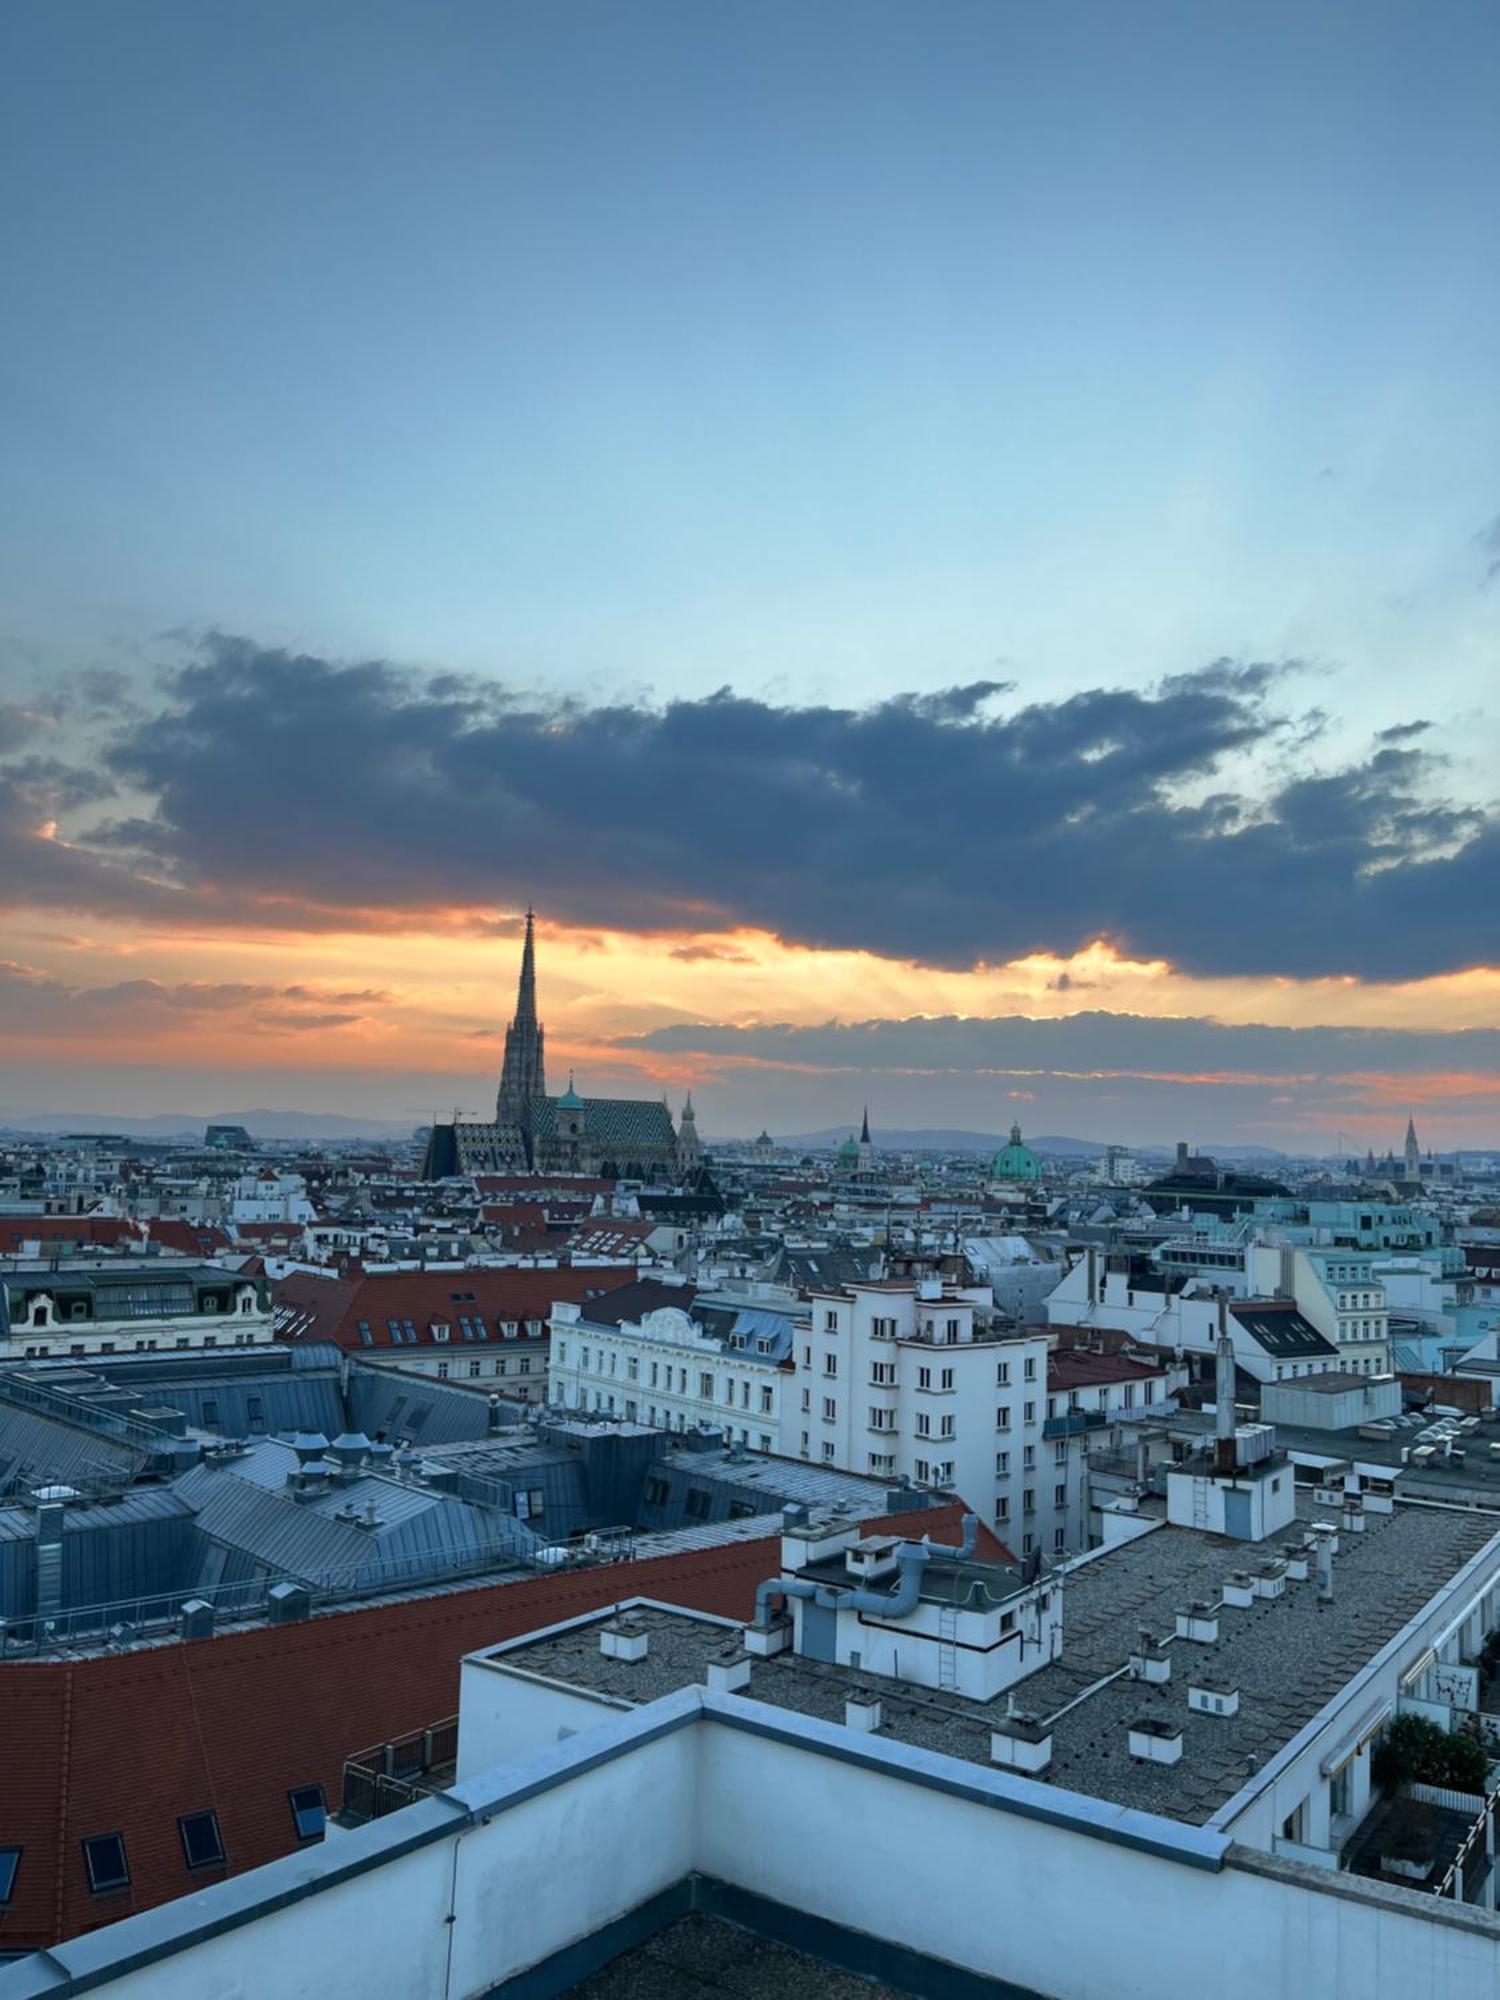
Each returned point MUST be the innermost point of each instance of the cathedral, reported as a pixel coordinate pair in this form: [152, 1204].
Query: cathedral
[615, 1138]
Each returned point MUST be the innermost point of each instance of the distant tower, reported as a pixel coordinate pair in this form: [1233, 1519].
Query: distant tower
[523, 1075]
[1413, 1153]
[689, 1146]
[866, 1149]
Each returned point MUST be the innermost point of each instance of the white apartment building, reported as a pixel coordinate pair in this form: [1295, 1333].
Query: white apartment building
[679, 1366]
[1273, 1339]
[902, 1378]
[1339, 1290]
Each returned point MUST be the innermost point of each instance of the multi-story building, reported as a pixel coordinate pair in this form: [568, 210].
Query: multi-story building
[1339, 1290]
[127, 1305]
[1087, 1392]
[467, 1323]
[902, 1378]
[664, 1354]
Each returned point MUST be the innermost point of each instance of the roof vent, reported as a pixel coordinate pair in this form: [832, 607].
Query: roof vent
[1239, 1588]
[1154, 1740]
[1150, 1660]
[624, 1639]
[196, 1620]
[1199, 1622]
[729, 1672]
[287, 1603]
[1021, 1743]
[862, 1712]
[1210, 1697]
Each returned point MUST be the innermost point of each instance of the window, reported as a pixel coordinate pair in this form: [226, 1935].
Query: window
[1028, 1500]
[946, 1378]
[211, 1412]
[924, 1424]
[256, 1408]
[945, 1426]
[1057, 1539]
[656, 1491]
[202, 1845]
[828, 1454]
[1002, 1417]
[806, 1401]
[767, 1398]
[1002, 1464]
[10, 1861]
[1060, 1452]
[924, 1378]
[1029, 1413]
[309, 1811]
[1002, 1374]
[442, 1369]
[104, 1858]
[1030, 1368]
[1028, 1456]
[706, 1387]
[476, 1366]
[1059, 1496]
[830, 1410]
[830, 1364]
[1002, 1508]
[696, 1504]
[830, 1319]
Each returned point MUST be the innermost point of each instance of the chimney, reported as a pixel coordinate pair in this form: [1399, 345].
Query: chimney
[1224, 1390]
[1325, 1569]
[1182, 1155]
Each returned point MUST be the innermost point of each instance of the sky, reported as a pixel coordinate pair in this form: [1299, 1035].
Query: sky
[953, 552]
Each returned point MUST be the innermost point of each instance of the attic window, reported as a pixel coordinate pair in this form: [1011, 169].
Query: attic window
[104, 1858]
[309, 1811]
[202, 1845]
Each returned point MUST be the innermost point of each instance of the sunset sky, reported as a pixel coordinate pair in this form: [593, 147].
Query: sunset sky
[954, 552]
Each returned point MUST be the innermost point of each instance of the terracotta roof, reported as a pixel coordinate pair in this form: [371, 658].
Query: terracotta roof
[1076, 1368]
[232, 1724]
[332, 1308]
[59, 1232]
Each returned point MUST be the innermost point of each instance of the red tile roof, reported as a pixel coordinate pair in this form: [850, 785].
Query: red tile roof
[56, 1233]
[1076, 1368]
[128, 1743]
[337, 1305]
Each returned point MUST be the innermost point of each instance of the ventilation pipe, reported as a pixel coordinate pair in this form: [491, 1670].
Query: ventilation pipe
[912, 1559]
[1325, 1569]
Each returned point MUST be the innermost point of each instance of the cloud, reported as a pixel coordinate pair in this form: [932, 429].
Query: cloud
[1089, 1045]
[951, 828]
[36, 1007]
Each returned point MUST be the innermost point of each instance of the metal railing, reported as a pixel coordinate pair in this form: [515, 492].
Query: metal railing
[387, 1776]
[141, 1436]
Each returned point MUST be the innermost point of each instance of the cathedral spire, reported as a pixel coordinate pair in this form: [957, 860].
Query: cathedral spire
[523, 1076]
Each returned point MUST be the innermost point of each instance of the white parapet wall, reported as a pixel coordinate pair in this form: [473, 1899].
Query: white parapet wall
[450, 1898]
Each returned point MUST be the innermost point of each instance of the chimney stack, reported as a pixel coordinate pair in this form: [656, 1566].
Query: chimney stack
[1224, 1390]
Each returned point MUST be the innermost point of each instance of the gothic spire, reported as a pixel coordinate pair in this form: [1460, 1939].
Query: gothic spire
[523, 1075]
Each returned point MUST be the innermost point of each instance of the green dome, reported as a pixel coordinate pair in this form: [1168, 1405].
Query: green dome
[570, 1100]
[849, 1152]
[1015, 1162]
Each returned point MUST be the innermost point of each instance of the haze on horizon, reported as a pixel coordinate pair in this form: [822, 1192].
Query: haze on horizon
[955, 555]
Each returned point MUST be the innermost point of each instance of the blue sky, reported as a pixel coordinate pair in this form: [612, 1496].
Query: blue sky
[582, 360]
[840, 348]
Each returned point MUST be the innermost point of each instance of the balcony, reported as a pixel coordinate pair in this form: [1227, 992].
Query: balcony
[1075, 1423]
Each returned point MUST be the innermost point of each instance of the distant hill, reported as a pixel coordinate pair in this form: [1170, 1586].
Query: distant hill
[260, 1124]
[939, 1141]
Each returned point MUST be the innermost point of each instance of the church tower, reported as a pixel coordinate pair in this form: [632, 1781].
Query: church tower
[866, 1147]
[1413, 1152]
[523, 1075]
[689, 1146]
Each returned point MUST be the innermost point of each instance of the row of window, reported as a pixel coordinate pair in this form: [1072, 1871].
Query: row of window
[107, 1866]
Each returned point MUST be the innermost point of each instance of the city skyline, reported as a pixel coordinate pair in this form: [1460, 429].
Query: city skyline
[947, 584]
